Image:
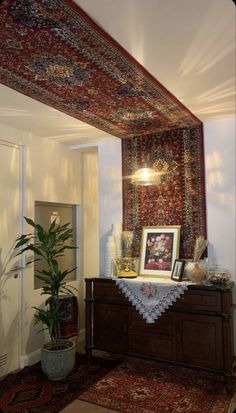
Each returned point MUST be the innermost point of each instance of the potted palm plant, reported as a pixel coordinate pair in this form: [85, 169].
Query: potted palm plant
[58, 355]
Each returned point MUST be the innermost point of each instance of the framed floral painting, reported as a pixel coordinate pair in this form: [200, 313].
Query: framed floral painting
[159, 250]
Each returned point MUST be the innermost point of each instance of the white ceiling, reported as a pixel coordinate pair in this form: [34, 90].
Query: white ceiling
[188, 45]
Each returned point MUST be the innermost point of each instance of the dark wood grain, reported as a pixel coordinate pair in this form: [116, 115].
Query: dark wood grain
[196, 331]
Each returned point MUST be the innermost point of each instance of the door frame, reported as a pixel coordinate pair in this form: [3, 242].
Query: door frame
[22, 149]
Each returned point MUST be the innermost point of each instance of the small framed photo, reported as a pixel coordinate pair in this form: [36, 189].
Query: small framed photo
[159, 250]
[178, 270]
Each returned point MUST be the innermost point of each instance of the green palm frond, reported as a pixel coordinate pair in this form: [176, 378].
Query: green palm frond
[48, 245]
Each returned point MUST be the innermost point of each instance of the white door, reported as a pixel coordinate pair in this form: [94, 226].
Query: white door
[10, 212]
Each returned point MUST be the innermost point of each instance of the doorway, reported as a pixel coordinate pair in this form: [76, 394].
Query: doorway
[10, 228]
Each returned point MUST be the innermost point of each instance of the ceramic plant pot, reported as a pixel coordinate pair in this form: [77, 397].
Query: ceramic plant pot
[57, 364]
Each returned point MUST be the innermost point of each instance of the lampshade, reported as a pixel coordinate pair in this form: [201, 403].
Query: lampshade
[145, 177]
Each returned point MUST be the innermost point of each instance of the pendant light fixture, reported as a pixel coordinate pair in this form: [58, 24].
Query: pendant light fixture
[146, 177]
[150, 174]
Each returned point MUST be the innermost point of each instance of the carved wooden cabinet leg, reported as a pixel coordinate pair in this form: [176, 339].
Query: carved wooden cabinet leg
[230, 384]
[88, 319]
[88, 352]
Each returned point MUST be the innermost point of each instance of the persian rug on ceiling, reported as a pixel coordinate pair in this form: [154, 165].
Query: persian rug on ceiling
[53, 52]
[179, 198]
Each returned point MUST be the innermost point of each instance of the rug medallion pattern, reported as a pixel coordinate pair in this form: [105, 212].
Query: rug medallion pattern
[141, 386]
[53, 52]
[127, 385]
[30, 391]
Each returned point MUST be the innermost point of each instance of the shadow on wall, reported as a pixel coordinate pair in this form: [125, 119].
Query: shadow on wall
[8, 329]
[35, 339]
[219, 184]
[103, 241]
[212, 256]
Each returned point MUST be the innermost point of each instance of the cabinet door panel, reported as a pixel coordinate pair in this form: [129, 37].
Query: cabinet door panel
[157, 346]
[164, 324]
[199, 340]
[110, 326]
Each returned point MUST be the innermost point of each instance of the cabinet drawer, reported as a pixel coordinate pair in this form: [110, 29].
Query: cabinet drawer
[165, 323]
[110, 326]
[200, 300]
[159, 346]
[108, 292]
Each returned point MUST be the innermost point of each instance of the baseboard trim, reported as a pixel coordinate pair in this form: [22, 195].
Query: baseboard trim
[35, 356]
[30, 358]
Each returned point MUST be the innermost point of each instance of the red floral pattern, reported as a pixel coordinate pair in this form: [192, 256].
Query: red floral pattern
[30, 391]
[138, 386]
[53, 52]
[179, 199]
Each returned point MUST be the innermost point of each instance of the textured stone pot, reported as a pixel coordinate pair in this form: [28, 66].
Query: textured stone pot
[57, 364]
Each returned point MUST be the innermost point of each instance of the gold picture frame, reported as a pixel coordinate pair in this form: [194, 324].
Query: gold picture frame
[159, 250]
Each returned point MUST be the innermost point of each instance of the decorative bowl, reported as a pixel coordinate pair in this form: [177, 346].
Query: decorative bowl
[218, 276]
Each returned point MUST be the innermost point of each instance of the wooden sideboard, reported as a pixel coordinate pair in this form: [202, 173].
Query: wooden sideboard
[196, 331]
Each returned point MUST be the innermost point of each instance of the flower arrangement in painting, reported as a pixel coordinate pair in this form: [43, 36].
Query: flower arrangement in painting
[159, 250]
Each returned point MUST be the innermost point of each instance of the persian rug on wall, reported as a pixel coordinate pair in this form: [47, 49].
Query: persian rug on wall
[179, 198]
[52, 51]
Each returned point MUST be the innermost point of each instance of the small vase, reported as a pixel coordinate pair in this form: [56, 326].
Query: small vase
[195, 272]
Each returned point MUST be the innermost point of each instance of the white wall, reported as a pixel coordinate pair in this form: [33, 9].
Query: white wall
[110, 190]
[102, 198]
[52, 173]
[219, 138]
[90, 200]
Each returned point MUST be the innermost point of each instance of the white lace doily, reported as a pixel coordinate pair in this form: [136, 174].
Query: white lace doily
[149, 296]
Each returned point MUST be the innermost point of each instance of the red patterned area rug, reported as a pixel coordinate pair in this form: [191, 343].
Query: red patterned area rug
[30, 391]
[130, 385]
[138, 386]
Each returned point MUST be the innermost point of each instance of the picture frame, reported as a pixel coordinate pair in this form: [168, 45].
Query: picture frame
[178, 270]
[159, 250]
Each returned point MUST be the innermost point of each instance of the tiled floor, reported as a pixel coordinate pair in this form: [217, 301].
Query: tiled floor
[83, 407]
